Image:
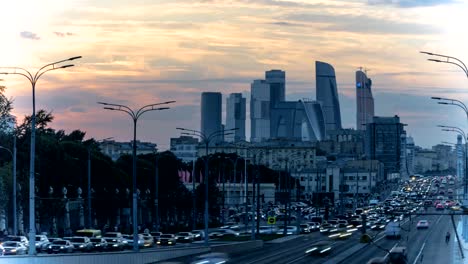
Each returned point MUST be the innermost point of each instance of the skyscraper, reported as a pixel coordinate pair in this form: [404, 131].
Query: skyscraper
[277, 81]
[211, 104]
[327, 94]
[364, 100]
[259, 111]
[297, 121]
[235, 117]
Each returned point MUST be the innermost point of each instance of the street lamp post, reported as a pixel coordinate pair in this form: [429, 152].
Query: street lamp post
[33, 78]
[13, 157]
[460, 131]
[206, 139]
[447, 59]
[135, 115]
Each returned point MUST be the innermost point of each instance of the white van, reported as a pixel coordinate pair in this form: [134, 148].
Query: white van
[393, 230]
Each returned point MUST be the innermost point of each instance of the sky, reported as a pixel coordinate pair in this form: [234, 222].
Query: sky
[149, 51]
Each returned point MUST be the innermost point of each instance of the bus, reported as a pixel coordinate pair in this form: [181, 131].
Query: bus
[91, 233]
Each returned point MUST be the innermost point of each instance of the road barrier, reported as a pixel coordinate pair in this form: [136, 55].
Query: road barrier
[142, 257]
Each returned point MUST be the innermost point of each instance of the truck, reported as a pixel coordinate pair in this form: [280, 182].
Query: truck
[393, 230]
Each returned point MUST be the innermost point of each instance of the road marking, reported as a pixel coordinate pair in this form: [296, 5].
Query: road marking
[386, 255]
[420, 252]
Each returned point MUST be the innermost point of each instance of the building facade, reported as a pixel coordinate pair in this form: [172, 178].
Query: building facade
[185, 148]
[383, 142]
[235, 117]
[327, 95]
[460, 158]
[211, 119]
[277, 81]
[297, 121]
[260, 111]
[116, 149]
[364, 100]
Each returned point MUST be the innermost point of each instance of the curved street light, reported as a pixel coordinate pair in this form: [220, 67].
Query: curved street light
[460, 132]
[447, 59]
[449, 101]
[33, 78]
[206, 139]
[135, 115]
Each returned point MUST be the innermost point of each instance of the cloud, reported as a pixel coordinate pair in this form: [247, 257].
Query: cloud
[362, 24]
[29, 35]
[63, 34]
[411, 3]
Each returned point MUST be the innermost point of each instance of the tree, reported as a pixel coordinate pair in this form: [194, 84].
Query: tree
[6, 105]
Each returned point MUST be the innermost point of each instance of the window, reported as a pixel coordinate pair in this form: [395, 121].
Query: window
[364, 178]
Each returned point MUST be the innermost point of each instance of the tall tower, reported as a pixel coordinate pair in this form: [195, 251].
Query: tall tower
[364, 100]
[277, 81]
[211, 104]
[235, 117]
[327, 94]
[259, 111]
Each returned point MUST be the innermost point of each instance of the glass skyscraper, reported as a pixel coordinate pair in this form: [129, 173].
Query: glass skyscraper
[259, 111]
[327, 95]
[211, 108]
[364, 100]
[235, 117]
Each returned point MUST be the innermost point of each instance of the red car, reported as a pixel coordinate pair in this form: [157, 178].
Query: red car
[439, 206]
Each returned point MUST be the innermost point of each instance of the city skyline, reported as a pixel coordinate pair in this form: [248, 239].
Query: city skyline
[178, 53]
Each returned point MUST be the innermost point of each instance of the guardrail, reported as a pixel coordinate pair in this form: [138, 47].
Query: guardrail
[143, 257]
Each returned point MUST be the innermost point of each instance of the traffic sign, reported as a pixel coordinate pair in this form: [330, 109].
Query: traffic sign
[271, 220]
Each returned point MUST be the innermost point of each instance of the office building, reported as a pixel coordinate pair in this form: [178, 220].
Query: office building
[364, 100]
[277, 81]
[211, 109]
[235, 117]
[297, 121]
[327, 94]
[115, 149]
[260, 111]
[383, 142]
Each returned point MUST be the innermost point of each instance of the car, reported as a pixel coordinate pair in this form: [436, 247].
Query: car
[148, 240]
[290, 230]
[198, 234]
[60, 246]
[156, 235]
[82, 244]
[211, 258]
[46, 245]
[304, 229]
[41, 240]
[269, 229]
[127, 241]
[325, 228]
[14, 248]
[167, 239]
[439, 206]
[22, 239]
[320, 248]
[99, 244]
[398, 255]
[184, 237]
[217, 233]
[115, 243]
[422, 224]
[313, 226]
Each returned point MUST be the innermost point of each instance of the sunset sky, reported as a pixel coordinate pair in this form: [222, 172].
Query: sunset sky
[148, 51]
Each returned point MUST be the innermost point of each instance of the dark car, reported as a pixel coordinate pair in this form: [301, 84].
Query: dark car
[184, 237]
[115, 243]
[60, 246]
[167, 239]
[99, 244]
[82, 243]
[156, 235]
[45, 246]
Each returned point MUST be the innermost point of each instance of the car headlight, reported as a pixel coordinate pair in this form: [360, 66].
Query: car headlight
[61, 247]
[169, 242]
[81, 246]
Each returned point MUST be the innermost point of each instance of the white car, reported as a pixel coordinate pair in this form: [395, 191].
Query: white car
[422, 224]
